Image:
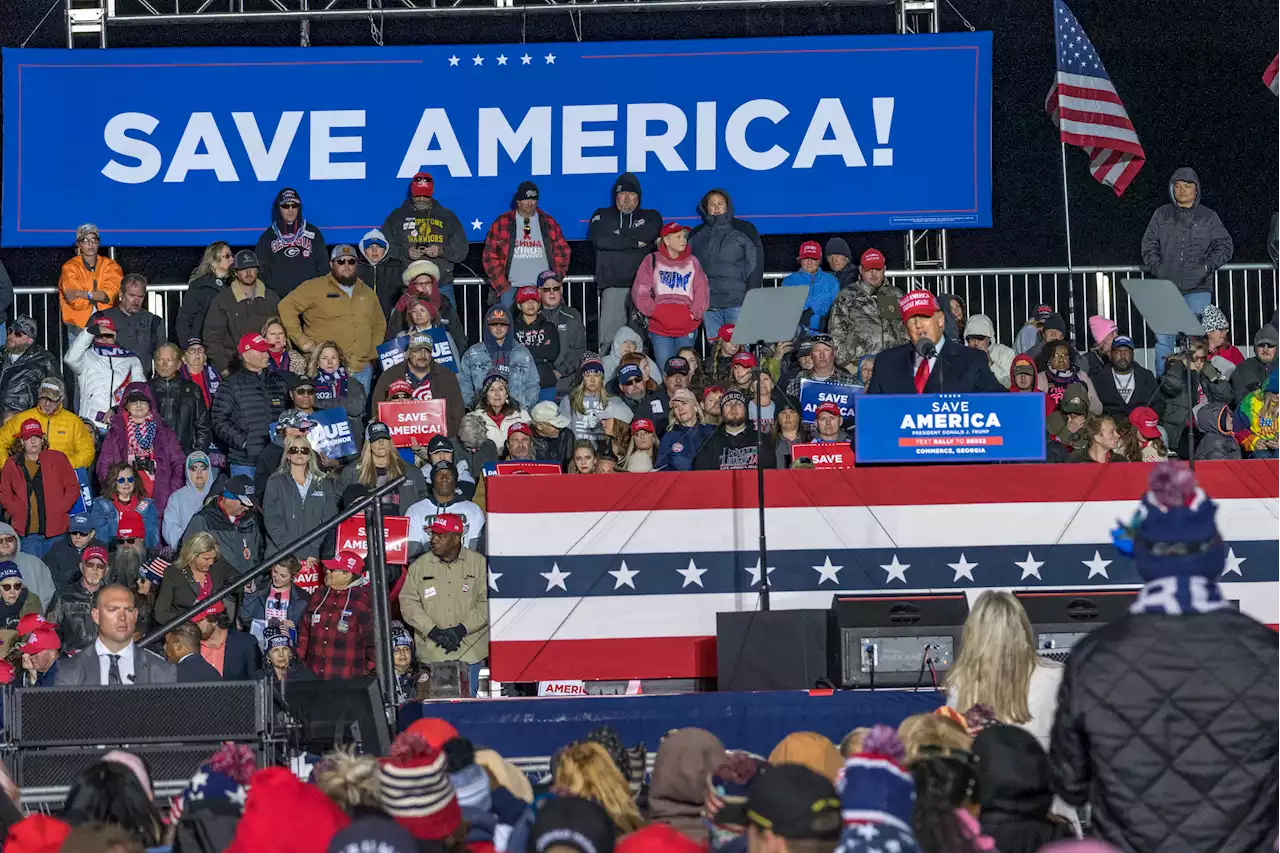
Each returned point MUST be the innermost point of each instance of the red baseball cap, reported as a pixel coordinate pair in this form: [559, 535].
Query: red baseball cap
[527, 293]
[1145, 421]
[872, 260]
[711, 389]
[130, 526]
[810, 249]
[423, 186]
[400, 386]
[726, 333]
[30, 428]
[671, 228]
[918, 303]
[104, 324]
[346, 561]
[42, 639]
[434, 730]
[93, 552]
[254, 342]
[447, 522]
[34, 622]
[744, 358]
[829, 408]
[642, 423]
[212, 610]
[520, 427]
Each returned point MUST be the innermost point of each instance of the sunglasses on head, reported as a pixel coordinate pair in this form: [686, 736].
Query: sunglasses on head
[10, 587]
[124, 479]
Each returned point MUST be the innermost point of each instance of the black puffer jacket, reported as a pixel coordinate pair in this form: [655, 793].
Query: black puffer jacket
[1014, 791]
[1167, 727]
[20, 378]
[245, 406]
[181, 405]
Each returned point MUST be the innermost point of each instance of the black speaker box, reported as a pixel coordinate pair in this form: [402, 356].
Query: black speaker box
[894, 640]
[774, 650]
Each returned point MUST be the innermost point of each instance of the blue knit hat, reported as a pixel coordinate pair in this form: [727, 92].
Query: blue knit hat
[9, 569]
[1175, 531]
[877, 796]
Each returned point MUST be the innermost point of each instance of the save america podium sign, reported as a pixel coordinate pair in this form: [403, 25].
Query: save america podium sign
[939, 428]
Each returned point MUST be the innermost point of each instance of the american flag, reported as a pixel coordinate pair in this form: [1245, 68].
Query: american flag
[1086, 109]
[1269, 78]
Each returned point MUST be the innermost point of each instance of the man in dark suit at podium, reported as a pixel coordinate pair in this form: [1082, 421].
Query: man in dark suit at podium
[930, 364]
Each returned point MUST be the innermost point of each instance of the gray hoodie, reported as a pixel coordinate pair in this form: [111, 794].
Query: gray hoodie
[1186, 244]
[35, 574]
[626, 333]
[183, 504]
[727, 255]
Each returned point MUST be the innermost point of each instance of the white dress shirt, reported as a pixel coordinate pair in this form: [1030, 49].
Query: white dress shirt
[915, 358]
[104, 662]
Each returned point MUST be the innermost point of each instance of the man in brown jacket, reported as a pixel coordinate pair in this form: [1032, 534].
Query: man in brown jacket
[239, 310]
[430, 381]
[445, 600]
[341, 308]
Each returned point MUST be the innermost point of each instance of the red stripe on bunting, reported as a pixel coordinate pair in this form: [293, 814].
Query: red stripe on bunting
[871, 486]
[603, 660]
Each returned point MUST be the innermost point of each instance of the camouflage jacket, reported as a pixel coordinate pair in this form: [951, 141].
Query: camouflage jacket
[866, 322]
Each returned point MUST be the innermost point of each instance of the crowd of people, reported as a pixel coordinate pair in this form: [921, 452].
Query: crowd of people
[1160, 732]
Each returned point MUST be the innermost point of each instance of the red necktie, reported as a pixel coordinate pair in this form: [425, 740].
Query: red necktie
[922, 375]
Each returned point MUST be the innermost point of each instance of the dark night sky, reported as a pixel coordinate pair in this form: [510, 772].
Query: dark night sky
[1189, 73]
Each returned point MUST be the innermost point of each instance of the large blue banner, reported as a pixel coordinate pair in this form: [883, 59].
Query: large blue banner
[184, 146]
[938, 428]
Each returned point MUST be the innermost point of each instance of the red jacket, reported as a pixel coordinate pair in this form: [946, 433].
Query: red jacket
[60, 493]
[497, 248]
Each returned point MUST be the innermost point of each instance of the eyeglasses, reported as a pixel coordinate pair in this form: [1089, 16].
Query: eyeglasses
[131, 540]
[78, 533]
[305, 392]
[632, 382]
[299, 451]
[551, 289]
[84, 240]
[345, 262]
[123, 479]
[199, 466]
[10, 587]
[290, 206]
[1264, 346]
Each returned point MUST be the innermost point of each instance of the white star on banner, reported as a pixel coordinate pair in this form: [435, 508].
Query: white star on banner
[453, 62]
[1030, 567]
[828, 572]
[755, 572]
[624, 576]
[866, 830]
[476, 225]
[555, 577]
[550, 58]
[896, 570]
[1233, 563]
[238, 795]
[477, 60]
[963, 569]
[493, 580]
[1098, 566]
[693, 574]
[526, 59]
[502, 60]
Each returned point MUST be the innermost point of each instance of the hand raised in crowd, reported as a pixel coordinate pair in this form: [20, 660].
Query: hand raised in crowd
[143, 587]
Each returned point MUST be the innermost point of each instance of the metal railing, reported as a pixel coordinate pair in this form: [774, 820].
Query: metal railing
[1246, 292]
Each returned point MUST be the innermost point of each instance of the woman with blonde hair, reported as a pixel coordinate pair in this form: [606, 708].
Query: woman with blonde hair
[206, 282]
[299, 498]
[585, 770]
[195, 575]
[378, 463]
[998, 667]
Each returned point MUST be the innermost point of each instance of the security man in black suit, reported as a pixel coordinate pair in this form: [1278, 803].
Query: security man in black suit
[182, 648]
[930, 364]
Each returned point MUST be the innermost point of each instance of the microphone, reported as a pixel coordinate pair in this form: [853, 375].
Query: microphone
[925, 348]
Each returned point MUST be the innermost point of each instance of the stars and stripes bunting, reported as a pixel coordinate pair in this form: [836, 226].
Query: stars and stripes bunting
[1085, 107]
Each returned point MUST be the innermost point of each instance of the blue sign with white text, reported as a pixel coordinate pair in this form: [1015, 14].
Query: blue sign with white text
[938, 428]
[809, 134]
[332, 433]
[392, 352]
[814, 393]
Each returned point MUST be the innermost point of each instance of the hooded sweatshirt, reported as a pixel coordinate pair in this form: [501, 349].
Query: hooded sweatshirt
[1014, 791]
[1214, 438]
[35, 574]
[290, 254]
[823, 288]
[727, 253]
[542, 339]
[678, 786]
[671, 290]
[611, 359]
[437, 225]
[384, 276]
[622, 240]
[476, 362]
[183, 504]
[1186, 244]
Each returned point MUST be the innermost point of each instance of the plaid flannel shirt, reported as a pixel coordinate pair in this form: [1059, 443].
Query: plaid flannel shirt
[497, 248]
[329, 652]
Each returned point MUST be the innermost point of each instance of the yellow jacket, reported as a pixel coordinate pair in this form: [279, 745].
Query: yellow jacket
[106, 276]
[65, 431]
[318, 310]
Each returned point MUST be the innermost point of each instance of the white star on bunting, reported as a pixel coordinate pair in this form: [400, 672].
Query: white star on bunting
[693, 574]
[550, 58]
[963, 569]
[828, 572]
[453, 62]
[624, 576]
[896, 570]
[555, 577]
[866, 830]
[1098, 566]
[477, 60]
[476, 224]
[1030, 567]
[493, 580]
[755, 572]
[1233, 563]
[526, 59]
[502, 60]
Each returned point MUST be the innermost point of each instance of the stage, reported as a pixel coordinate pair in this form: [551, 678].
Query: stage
[536, 728]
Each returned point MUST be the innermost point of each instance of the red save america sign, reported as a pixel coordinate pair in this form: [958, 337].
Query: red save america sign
[824, 455]
[351, 537]
[413, 419]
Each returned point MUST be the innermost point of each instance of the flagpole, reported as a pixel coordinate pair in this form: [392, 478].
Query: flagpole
[1066, 218]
